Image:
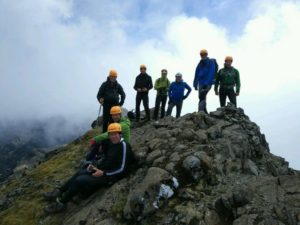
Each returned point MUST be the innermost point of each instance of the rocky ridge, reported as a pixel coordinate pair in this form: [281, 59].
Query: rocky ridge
[199, 169]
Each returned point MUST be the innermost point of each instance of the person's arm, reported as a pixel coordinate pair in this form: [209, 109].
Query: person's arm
[156, 85]
[168, 84]
[196, 78]
[170, 91]
[218, 77]
[237, 82]
[150, 83]
[122, 93]
[136, 84]
[101, 91]
[125, 125]
[100, 138]
[189, 90]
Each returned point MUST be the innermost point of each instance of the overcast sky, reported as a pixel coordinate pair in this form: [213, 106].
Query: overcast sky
[54, 54]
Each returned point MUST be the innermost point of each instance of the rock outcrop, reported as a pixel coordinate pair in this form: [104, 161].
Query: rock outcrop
[199, 169]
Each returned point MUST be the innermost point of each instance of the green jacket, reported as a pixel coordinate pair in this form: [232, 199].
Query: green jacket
[228, 77]
[162, 86]
[125, 125]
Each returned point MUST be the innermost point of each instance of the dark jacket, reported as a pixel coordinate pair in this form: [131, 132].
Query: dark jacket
[176, 91]
[228, 77]
[205, 72]
[110, 92]
[143, 81]
[116, 158]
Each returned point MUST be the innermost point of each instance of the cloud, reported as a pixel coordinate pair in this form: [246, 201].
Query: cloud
[55, 54]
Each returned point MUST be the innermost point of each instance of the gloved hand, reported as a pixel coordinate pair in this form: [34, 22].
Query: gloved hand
[101, 101]
[184, 97]
[237, 94]
[196, 88]
[216, 92]
[92, 142]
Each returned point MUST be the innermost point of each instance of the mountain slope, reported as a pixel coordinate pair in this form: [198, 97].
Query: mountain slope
[196, 170]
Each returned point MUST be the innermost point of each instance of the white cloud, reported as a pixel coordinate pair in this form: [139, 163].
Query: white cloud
[53, 60]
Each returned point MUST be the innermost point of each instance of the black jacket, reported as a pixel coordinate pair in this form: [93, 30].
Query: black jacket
[110, 92]
[143, 81]
[116, 158]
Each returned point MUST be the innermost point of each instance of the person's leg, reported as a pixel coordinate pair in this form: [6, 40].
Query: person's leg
[170, 108]
[222, 97]
[52, 195]
[203, 91]
[137, 106]
[157, 104]
[163, 106]
[232, 96]
[178, 109]
[105, 117]
[146, 105]
[86, 183]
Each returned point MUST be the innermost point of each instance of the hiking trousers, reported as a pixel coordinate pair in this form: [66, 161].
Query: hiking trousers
[160, 100]
[227, 92]
[178, 108]
[203, 91]
[82, 182]
[142, 96]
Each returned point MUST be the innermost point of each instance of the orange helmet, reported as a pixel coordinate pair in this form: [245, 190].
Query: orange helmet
[203, 52]
[114, 127]
[228, 58]
[115, 110]
[113, 73]
[143, 66]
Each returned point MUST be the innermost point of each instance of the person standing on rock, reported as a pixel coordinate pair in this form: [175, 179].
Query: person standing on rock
[228, 78]
[204, 78]
[108, 96]
[143, 84]
[162, 85]
[176, 94]
[118, 157]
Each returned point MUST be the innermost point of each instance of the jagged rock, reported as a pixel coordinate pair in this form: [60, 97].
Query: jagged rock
[211, 218]
[153, 155]
[223, 164]
[218, 114]
[192, 164]
[250, 167]
[149, 195]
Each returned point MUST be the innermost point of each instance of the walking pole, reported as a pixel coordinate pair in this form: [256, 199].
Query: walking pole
[98, 119]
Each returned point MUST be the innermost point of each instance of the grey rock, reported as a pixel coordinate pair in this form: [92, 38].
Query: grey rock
[153, 155]
[145, 199]
[250, 167]
[192, 165]
[217, 114]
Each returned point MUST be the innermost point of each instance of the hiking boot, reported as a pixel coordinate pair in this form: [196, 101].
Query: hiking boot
[52, 195]
[55, 207]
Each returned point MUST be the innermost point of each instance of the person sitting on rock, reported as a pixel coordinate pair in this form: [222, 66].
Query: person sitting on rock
[176, 94]
[94, 152]
[118, 157]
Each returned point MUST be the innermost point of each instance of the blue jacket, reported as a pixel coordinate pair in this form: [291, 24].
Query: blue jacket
[205, 72]
[176, 91]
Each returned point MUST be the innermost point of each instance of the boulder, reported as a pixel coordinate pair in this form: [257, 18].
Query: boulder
[147, 197]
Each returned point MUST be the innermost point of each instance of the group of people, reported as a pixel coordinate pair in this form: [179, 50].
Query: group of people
[108, 159]
[109, 155]
[226, 84]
